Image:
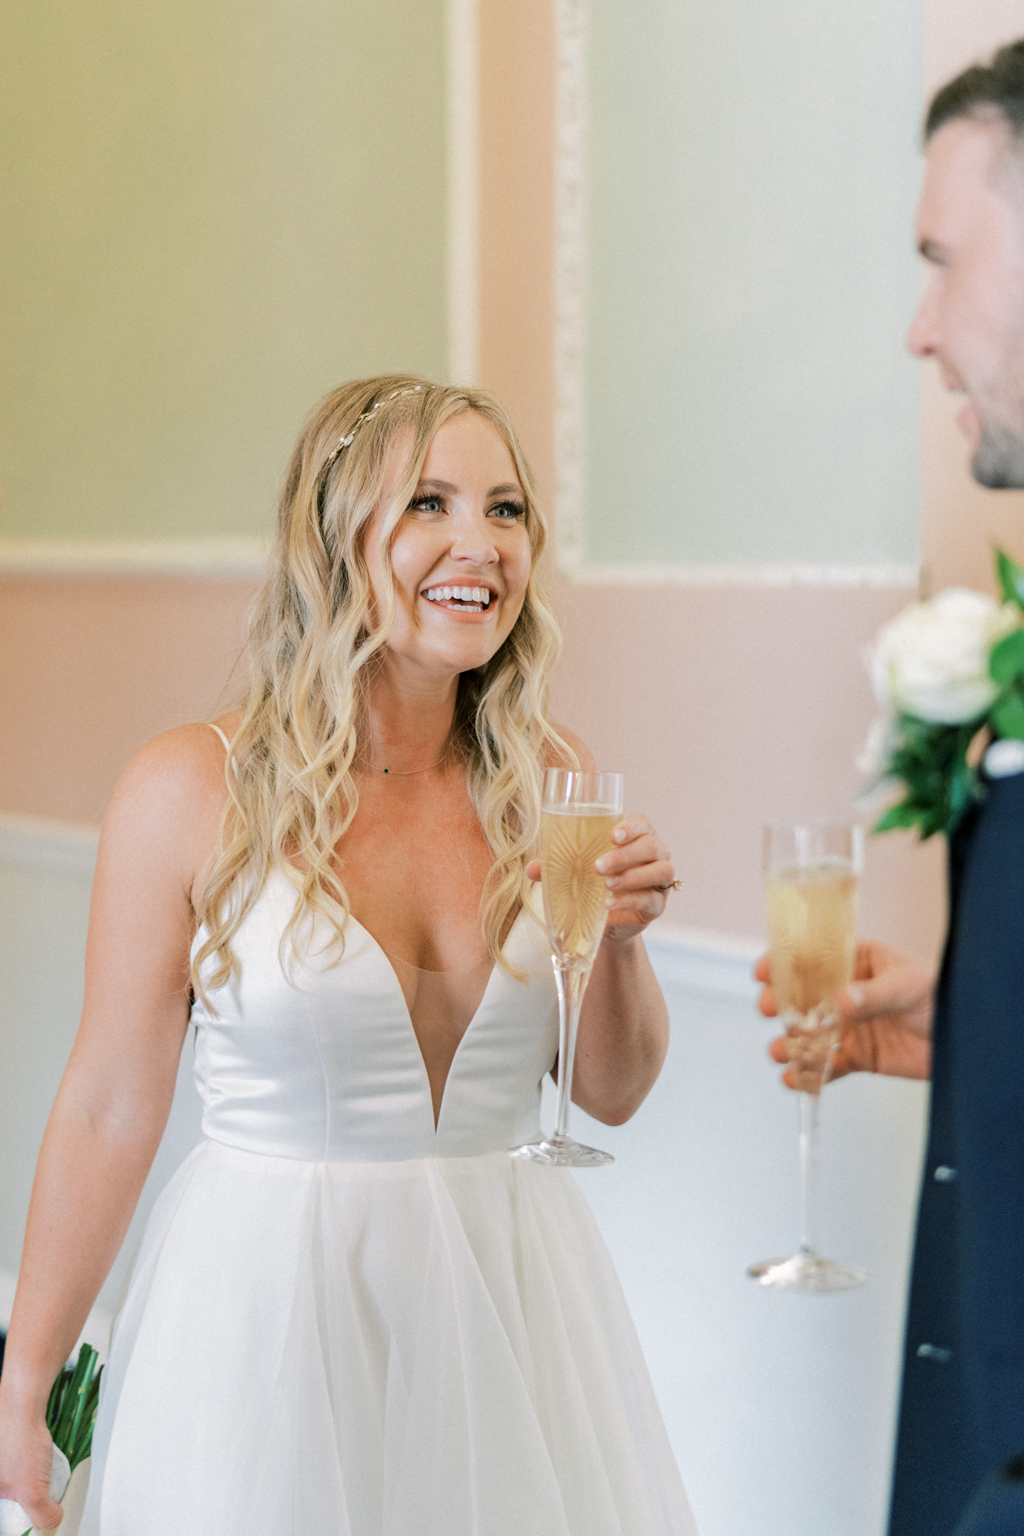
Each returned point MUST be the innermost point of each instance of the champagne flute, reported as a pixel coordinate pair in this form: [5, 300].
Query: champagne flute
[810, 871]
[578, 813]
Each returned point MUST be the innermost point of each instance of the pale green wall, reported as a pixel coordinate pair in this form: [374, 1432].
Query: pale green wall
[212, 211]
[753, 171]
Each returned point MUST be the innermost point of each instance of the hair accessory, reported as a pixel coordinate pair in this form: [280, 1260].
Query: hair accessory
[343, 442]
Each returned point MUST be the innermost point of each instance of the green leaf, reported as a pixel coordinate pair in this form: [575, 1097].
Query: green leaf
[1006, 661]
[1008, 715]
[939, 786]
[1011, 579]
[897, 817]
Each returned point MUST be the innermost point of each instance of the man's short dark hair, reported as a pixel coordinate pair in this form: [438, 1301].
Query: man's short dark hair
[982, 90]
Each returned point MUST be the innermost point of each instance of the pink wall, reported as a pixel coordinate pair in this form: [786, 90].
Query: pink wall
[729, 707]
[94, 666]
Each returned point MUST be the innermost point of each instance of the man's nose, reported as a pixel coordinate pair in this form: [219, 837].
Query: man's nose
[922, 337]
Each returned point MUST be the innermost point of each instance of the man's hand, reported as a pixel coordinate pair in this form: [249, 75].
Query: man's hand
[887, 1016]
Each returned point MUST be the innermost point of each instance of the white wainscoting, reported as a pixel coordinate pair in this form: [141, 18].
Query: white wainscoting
[780, 1408]
[45, 878]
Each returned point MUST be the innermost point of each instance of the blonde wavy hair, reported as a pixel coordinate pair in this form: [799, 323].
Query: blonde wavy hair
[313, 642]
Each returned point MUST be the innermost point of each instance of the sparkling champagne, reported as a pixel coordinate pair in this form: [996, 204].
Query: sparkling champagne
[811, 926]
[574, 892]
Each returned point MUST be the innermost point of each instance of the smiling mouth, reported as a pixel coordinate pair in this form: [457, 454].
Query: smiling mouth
[460, 599]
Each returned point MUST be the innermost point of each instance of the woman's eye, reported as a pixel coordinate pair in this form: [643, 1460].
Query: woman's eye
[427, 504]
[508, 511]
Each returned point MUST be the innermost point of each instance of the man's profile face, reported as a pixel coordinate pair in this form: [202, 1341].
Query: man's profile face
[970, 229]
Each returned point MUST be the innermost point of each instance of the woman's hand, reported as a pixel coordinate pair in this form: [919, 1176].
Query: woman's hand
[887, 1016]
[624, 1021]
[638, 873]
[26, 1460]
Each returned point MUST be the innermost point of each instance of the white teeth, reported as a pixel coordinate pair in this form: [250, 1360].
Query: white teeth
[480, 595]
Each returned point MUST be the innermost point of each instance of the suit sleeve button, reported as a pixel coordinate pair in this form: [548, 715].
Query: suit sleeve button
[944, 1175]
[934, 1352]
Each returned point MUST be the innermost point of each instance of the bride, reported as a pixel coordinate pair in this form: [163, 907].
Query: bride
[351, 1314]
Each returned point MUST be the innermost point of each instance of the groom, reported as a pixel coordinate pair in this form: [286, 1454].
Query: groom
[960, 1450]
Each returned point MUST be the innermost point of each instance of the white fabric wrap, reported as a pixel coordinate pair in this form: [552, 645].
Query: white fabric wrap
[13, 1519]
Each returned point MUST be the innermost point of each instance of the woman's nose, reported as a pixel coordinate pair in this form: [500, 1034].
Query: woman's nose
[474, 541]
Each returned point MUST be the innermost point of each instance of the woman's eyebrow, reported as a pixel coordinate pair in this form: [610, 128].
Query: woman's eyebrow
[512, 488]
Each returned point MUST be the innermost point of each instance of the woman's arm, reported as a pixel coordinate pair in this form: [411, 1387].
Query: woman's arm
[623, 1034]
[116, 1092]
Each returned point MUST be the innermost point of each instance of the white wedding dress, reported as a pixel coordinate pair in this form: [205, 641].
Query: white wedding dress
[343, 1321]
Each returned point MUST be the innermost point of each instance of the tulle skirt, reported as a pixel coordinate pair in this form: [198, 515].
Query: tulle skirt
[426, 1348]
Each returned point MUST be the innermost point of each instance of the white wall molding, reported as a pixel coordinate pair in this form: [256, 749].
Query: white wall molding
[46, 844]
[244, 558]
[584, 574]
[570, 279]
[212, 558]
[463, 191]
[699, 960]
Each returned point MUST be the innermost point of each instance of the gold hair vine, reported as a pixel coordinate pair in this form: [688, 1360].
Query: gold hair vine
[343, 442]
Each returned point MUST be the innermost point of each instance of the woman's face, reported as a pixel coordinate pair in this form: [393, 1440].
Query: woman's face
[460, 554]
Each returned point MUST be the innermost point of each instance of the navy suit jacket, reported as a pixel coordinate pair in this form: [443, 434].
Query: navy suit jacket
[962, 1404]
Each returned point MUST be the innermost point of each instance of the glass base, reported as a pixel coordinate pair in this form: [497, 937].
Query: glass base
[561, 1152]
[808, 1272]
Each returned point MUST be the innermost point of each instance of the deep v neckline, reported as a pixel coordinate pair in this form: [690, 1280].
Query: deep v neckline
[397, 980]
[378, 949]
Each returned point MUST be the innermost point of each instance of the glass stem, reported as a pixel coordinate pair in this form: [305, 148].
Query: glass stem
[571, 980]
[809, 1173]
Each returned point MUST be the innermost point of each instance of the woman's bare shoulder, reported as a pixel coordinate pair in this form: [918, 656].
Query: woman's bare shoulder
[170, 796]
[179, 762]
[555, 758]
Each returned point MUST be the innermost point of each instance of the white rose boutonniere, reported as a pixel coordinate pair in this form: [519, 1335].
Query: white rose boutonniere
[932, 660]
[941, 670]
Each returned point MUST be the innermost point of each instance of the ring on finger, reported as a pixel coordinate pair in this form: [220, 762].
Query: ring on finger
[673, 885]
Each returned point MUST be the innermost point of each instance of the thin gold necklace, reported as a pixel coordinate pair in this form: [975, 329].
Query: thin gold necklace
[408, 773]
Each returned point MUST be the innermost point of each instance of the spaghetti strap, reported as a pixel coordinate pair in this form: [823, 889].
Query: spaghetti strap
[220, 733]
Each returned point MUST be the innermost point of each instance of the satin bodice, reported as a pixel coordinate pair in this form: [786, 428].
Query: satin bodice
[318, 1059]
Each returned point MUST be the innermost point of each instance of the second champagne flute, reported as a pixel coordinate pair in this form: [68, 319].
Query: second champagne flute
[810, 874]
[578, 812]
